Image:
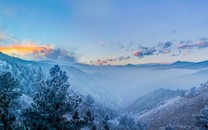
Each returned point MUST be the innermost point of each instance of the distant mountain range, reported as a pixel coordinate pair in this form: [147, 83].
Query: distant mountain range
[177, 64]
[121, 84]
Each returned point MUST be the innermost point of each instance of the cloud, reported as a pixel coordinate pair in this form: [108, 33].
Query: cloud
[12, 46]
[121, 58]
[108, 61]
[185, 46]
[174, 48]
[26, 49]
[160, 48]
[104, 44]
[203, 39]
[58, 54]
[202, 44]
[189, 45]
[144, 51]
[37, 52]
[167, 45]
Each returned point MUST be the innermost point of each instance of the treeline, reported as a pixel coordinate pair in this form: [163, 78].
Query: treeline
[53, 105]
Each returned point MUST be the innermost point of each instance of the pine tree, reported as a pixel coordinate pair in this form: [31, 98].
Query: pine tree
[105, 125]
[52, 102]
[8, 94]
[93, 127]
[89, 118]
[202, 119]
[38, 80]
[76, 123]
[127, 122]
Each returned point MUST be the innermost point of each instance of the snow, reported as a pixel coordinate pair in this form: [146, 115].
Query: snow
[161, 107]
[179, 111]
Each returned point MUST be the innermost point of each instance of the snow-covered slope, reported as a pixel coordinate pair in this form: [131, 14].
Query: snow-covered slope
[153, 99]
[178, 112]
[119, 84]
[79, 80]
[130, 82]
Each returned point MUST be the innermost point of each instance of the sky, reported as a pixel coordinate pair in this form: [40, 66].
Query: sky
[102, 32]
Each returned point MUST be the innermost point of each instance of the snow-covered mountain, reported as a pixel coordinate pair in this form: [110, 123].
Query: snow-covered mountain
[119, 84]
[153, 99]
[130, 82]
[134, 87]
[79, 80]
[178, 112]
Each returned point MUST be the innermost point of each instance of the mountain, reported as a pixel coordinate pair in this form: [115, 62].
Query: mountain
[181, 63]
[178, 112]
[198, 65]
[177, 64]
[120, 84]
[79, 80]
[153, 99]
[139, 80]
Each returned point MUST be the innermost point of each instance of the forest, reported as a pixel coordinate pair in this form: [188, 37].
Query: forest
[50, 104]
[53, 105]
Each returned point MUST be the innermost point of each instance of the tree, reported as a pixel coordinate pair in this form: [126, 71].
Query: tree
[202, 119]
[105, 125]
[76, 123]
[8, 95]
[93, 127]
[37, 81]
[127, 122]
[88, 117]
[52, 102]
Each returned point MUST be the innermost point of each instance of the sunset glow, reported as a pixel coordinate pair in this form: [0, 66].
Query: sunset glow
[26, 49]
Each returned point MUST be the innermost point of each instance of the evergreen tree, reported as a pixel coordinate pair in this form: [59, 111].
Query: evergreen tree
[52, 102]
[127, 122]
[88, 117]
[37, 81]
[76, 123]
[202, 119]
[8, 94]
[105, 125]
[93, 127]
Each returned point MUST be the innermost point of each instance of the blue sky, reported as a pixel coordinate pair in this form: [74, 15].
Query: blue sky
[109, 29]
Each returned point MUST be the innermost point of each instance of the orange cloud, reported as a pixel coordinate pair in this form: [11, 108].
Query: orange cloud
[26, 49]
[136, 53]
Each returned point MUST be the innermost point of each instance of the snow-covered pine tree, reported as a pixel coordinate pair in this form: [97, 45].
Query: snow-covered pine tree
[202, 119]
[76, 123]
[89, 118]
[8, 94]
[105, 125]
[52, 102]
[37, 81]
[127, 122]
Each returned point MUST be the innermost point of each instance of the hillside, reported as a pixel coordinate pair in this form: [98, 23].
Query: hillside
[153, 99]
[80, 81]
[178, 112]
